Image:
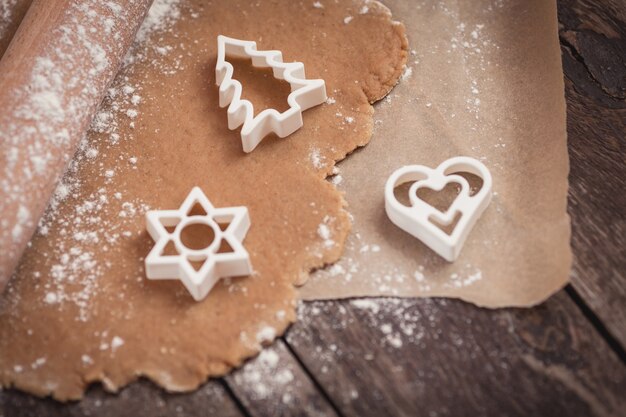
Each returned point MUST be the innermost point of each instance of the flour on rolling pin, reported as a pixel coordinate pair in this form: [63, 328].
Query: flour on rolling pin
[75, 263]
[55, 73]
[11, 14]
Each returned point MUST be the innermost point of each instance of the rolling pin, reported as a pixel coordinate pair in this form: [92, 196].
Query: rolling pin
[53, 76]
[12, 12]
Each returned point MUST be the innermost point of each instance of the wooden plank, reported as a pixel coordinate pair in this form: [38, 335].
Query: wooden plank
[444, 357]
[138, 399]
[274, 384]
[593, 39]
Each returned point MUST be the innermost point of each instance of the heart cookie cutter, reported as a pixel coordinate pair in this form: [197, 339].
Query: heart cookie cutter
[304, 93]
[417, 219]
[224, 256]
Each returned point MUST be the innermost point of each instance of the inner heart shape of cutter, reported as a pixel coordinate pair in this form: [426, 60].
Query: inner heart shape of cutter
[417, 218]
[439, 198]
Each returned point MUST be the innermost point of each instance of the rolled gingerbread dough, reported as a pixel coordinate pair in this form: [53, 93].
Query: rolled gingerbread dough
[79, 308]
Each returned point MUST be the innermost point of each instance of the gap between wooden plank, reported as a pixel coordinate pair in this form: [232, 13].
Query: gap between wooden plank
[315, 382]
[596, 323]
[242, 409]
[275, 384]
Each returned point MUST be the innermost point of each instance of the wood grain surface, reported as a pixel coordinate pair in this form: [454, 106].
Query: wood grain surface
[593, 42]
[448, 358]
[445, 357]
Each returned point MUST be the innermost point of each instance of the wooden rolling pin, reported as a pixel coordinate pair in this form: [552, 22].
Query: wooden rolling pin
[12, 12]
[53, 76]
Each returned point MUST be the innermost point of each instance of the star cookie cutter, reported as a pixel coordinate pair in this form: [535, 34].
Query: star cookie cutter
[417, 219]
[225, 256]
[304, 93]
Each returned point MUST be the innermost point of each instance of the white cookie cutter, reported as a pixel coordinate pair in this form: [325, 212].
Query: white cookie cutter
[228, 224]
[417, 219]
[304, 93]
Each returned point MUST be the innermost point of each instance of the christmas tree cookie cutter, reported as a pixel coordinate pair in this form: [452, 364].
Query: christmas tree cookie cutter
[417, 219]
[199, 268]
[304, 93]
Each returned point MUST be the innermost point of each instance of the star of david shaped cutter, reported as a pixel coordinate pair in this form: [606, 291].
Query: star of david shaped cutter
[417, 219]
[304, 93]
[225, 256]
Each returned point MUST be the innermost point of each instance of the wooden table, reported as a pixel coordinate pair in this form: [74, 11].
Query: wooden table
[565, 357]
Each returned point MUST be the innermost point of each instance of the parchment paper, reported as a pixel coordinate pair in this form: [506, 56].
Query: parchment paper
[484, 79]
